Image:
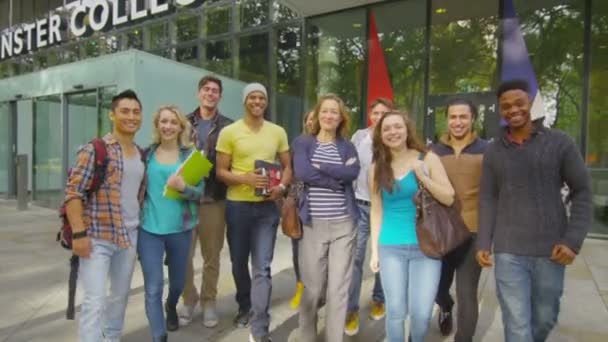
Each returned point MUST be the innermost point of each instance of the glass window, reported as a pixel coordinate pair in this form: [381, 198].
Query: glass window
[4, 14]
[335, 59]
[218, 57]
[253, 59]
[133, 39]
[218, 20]
[288, 85]
[83, 121]
[404, 52]
[157, 36]
[48, 156]
[597, 144]
[253, 12]
[187, 28]
[187, 54]
[558, 66]
[5, 148]
[282, 13]
[463, 61]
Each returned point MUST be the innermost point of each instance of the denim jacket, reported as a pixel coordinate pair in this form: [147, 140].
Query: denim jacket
[329, 176]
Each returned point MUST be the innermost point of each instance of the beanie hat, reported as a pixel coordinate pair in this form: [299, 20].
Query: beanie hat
[251, 87]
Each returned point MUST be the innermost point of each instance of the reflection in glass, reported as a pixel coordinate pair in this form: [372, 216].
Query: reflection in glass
[133, 39]
[253, 12]
[597, 145]
[48, 156]
[404, 52]
[253, 58]
[288, 85]
[218, 57]
[336, 60]
[157, 36]
[463, 46]
[187, 28]
[558, 65]
[282, 12]
[83, 121]
[5, 148]
[187, 54]
[218, 20]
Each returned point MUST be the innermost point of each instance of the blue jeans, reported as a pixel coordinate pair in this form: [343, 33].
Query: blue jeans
[102, 315]
[152, 248]
[363, 231]
[410, 282]
[529, 291]
[251, 229]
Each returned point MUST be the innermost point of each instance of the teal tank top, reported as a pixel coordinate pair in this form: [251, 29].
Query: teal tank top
[161, 215]
[399, 213]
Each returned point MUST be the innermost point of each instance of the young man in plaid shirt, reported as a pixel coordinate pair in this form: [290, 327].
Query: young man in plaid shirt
[104, 223]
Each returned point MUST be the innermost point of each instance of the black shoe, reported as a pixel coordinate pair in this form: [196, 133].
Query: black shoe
[242, 319]
[172, 320]
[445, 322]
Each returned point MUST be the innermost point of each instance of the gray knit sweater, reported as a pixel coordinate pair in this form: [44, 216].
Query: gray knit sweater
[521, 209]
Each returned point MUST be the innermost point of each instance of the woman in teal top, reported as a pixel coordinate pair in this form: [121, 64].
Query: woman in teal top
[410, 279]
[167, 223]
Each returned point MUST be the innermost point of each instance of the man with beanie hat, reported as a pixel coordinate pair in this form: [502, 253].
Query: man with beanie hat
[252, 220]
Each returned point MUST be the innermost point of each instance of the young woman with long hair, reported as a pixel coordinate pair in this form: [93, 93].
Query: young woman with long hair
[167, 224]
[327, 163]
[409, 278]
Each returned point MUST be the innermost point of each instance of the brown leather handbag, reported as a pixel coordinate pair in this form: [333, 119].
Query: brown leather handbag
[290, 221]
[439, 228]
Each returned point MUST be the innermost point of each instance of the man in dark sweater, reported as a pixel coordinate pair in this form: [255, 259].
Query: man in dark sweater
[523, 216]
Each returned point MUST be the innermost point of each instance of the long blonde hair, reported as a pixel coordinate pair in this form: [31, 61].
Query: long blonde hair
[183, 139]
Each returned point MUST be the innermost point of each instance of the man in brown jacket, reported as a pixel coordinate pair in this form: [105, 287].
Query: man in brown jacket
[461, 153]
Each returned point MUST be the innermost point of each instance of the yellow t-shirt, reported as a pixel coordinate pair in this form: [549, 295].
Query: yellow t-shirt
[245, 147]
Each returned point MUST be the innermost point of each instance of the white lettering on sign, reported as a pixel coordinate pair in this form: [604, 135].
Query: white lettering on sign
[95, 16]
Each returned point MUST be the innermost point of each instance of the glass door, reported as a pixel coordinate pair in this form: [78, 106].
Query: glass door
[48, 152]
[6, 148]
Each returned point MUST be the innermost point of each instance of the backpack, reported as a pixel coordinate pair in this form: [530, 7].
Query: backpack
[64, 236]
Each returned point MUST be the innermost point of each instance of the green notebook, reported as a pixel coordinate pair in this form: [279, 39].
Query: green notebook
[193, 170]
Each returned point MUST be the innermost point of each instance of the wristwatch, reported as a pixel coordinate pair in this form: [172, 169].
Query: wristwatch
[282, 186]
[79, 235]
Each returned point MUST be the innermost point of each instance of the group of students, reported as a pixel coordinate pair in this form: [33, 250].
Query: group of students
[351, 190]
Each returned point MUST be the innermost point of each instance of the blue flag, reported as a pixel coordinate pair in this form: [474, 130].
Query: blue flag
[516, 62]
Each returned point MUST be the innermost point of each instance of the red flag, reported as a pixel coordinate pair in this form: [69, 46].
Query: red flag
[378, 82]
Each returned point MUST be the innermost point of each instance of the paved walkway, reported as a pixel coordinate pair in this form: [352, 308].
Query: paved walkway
[33, 283]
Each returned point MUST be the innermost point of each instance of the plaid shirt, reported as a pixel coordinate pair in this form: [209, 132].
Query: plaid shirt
[102, 210]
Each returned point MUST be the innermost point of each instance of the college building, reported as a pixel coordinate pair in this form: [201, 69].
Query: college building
[61, 61]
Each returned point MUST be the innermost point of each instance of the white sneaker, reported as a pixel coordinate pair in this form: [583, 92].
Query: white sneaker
[210, 318]
[186, 313]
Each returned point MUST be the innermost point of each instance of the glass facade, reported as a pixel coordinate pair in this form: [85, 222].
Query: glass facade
[434, 49]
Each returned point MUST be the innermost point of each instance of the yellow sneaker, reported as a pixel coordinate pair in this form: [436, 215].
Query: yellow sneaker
[377, 312]
[351, 327]
[295, 301]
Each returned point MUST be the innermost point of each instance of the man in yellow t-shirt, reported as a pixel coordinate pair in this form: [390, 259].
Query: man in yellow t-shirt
[252, 220]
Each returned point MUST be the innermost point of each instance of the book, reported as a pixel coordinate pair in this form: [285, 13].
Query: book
[270, 170]
[193, 170]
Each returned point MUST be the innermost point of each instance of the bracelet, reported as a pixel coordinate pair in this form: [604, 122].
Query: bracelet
[79, 235]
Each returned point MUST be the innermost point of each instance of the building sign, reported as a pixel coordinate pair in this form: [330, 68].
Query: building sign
[84, 20]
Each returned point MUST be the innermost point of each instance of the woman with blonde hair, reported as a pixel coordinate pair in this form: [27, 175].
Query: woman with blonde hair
[409, 278]
[166, 223]
[327, 163]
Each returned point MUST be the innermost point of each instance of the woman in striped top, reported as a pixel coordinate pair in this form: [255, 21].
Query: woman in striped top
[327, 162]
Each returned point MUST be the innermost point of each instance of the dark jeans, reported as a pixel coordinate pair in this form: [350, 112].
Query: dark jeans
[151, 249]
[363, 232]
[462, 262]
[251, 229]
[529, 291]
[295, 250]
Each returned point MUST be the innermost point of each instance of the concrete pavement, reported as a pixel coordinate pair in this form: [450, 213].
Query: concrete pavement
[33, 283]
